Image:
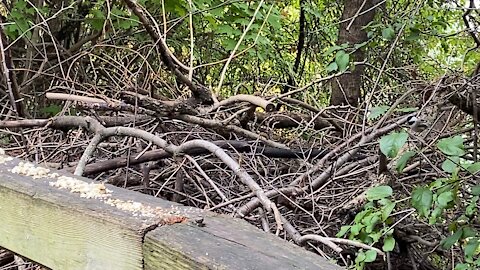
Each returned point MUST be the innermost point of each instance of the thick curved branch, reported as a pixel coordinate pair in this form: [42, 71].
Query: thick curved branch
[239, 146]
[200, 92]
[103, 133]
[231, 128]
[254, 100]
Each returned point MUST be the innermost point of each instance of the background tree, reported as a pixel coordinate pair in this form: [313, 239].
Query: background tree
[356, 16]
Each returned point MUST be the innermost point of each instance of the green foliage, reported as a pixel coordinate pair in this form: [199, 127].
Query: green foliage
[434, 200]
[422, 200]
[378, 193]
[372, 224]
[392, 143]
[378, 111]
[364, 257]
[403, 160]
[21, 17]
[451, 146]
[51, 110]
[388, 33]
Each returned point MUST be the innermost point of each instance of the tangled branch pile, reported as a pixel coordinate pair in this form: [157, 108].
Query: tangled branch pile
[286, 165]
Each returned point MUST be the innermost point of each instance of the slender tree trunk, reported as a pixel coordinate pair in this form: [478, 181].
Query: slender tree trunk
[346, 89]
[300, 46]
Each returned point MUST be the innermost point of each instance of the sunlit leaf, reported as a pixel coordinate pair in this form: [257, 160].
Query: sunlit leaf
[391, 144]
[380, 192]
[370, 255]
[471, 247]
[445, 198]
[450, 164]
[388, 243]
[452, 146]
[474, 168]
[388, 33]
[375, 112]
[448, 242]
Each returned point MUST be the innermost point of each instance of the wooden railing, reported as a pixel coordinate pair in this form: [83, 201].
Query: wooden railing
[67, 222]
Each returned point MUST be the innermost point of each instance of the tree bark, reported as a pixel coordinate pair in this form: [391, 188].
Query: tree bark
[346, 89]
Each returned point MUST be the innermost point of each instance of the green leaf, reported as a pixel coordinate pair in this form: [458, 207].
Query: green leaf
[332, 67]
[414, 34]
[476, 190]
[377, 111]
[355, 229]
[343, 231]
[229, 44]
[361, 215]
[228, 30]
[360, 257]
[448, 242]
[98, 19]
[422, 200]
[388, 33]
[380, 192]
[450, 164]
[403, 160]
[51, 110]
[437, 212]
[388, 244]
[21, 5]
[445, 198]
[462, 266]
[474, 168]
[332, 49]
[371, 222]
[472, 206]
[468, 232]
[452, 146]
[387, 210]
[274, 20]
[342, 58]
[391, 144]
[471, 247]
[370, 255]
[375, 236]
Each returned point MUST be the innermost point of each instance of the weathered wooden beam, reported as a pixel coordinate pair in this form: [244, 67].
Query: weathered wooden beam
[119, 229]
[61, 230]
[224, 243]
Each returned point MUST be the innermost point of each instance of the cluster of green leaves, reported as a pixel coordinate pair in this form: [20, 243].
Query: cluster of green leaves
[372, 224]
[430, 201]
[218, 27]
[20, 20]
[119, 17]
[434, 200]
[342, 60]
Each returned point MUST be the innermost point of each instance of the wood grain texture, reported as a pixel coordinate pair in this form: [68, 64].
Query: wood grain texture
[224, 243]
[61, 230]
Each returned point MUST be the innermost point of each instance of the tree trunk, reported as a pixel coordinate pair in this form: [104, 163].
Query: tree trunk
[346, 89]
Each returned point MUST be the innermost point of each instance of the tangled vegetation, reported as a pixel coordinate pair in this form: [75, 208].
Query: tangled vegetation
[348, 128]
